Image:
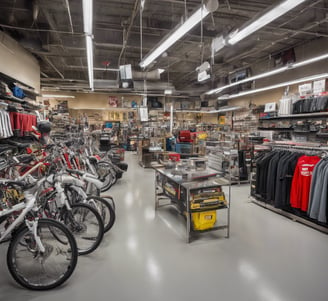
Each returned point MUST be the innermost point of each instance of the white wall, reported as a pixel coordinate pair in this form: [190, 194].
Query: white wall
[18, 63]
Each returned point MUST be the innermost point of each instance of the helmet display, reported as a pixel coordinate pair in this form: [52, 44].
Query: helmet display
[44, 127]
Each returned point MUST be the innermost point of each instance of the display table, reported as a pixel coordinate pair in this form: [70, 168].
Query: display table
[193, 192]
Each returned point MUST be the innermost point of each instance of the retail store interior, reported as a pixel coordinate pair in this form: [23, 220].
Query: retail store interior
[164, 150]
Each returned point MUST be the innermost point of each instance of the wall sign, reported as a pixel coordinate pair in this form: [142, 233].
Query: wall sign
[305, 89]
[270, 107]
[113, 101]
[143, 113]
[319, 86]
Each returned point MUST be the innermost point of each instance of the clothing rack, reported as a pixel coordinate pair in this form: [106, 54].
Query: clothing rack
[291, 216]
[306, 149]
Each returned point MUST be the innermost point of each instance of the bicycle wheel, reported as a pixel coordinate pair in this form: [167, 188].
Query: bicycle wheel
[107, 174]
[110, 200]
[105, 210]
[86, 226]
[42, 271]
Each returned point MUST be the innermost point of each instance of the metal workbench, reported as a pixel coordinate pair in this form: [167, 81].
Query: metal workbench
[194, 180]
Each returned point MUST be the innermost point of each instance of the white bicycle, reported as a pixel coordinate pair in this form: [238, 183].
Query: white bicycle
[42, 253]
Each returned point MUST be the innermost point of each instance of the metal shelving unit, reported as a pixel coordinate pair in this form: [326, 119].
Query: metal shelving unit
[221, 151]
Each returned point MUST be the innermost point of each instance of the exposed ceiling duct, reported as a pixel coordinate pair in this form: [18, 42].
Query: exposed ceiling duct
[153, 86]
[150, 75]
[53, 30]
[105, 84]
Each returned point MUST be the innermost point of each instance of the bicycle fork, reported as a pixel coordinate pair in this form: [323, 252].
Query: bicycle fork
[33, 228]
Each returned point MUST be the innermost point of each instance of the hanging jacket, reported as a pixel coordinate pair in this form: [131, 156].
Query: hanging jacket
[318, 193]
[300, 191]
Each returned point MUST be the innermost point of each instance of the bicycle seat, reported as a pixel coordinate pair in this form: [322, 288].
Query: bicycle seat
[25, 158]
[68, 143]
[20, 145]
[75, 171]
[12, 182]
[92, 159]
[6, 147]
[50, 146]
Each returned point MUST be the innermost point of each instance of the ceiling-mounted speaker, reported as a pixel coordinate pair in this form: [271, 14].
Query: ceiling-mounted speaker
[212, 5]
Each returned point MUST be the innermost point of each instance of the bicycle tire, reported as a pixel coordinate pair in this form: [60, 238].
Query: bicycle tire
[110, 178]
[82, 227]
[110, 200]
[102, 205]
[105, 210]
[25, 280]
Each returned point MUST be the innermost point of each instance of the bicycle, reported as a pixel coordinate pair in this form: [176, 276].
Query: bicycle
[42, 253]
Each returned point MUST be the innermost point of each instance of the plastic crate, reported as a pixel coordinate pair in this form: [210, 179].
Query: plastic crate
[183, 148]
[204, 220]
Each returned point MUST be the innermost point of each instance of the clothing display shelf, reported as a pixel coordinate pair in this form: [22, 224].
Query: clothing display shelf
[274, 129]
[308, 149]
[299, 127]
[30, 93]
[181, 196]
[14, 99]
[305, 115]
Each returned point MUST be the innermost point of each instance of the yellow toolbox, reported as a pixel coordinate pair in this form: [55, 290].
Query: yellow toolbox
[204, 220]
[211, 201]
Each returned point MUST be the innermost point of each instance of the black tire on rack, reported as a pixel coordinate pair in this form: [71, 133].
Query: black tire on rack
[86, 225]
[45, 266]
[105, 210]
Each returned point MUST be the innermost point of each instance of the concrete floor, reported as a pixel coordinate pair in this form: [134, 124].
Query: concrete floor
[145, 257]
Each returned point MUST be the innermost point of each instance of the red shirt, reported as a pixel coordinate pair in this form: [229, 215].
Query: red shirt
[300, 190]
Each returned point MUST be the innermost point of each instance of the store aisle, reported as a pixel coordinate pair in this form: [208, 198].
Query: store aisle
[145, 257]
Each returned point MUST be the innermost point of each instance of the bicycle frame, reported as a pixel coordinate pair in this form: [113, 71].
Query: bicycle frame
[32, 225]
[35, 167]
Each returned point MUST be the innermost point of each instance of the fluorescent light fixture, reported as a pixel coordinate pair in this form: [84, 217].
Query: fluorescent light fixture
[191, 22]
[265, 19]
[228, 109]
[293, 82]
[87, 16]
[310, 61]
[106, 69]
[90, 60]
[270, 73]
[223, 109]
[167, 92]
[57, 96]
[142, 4]
[87, 22]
